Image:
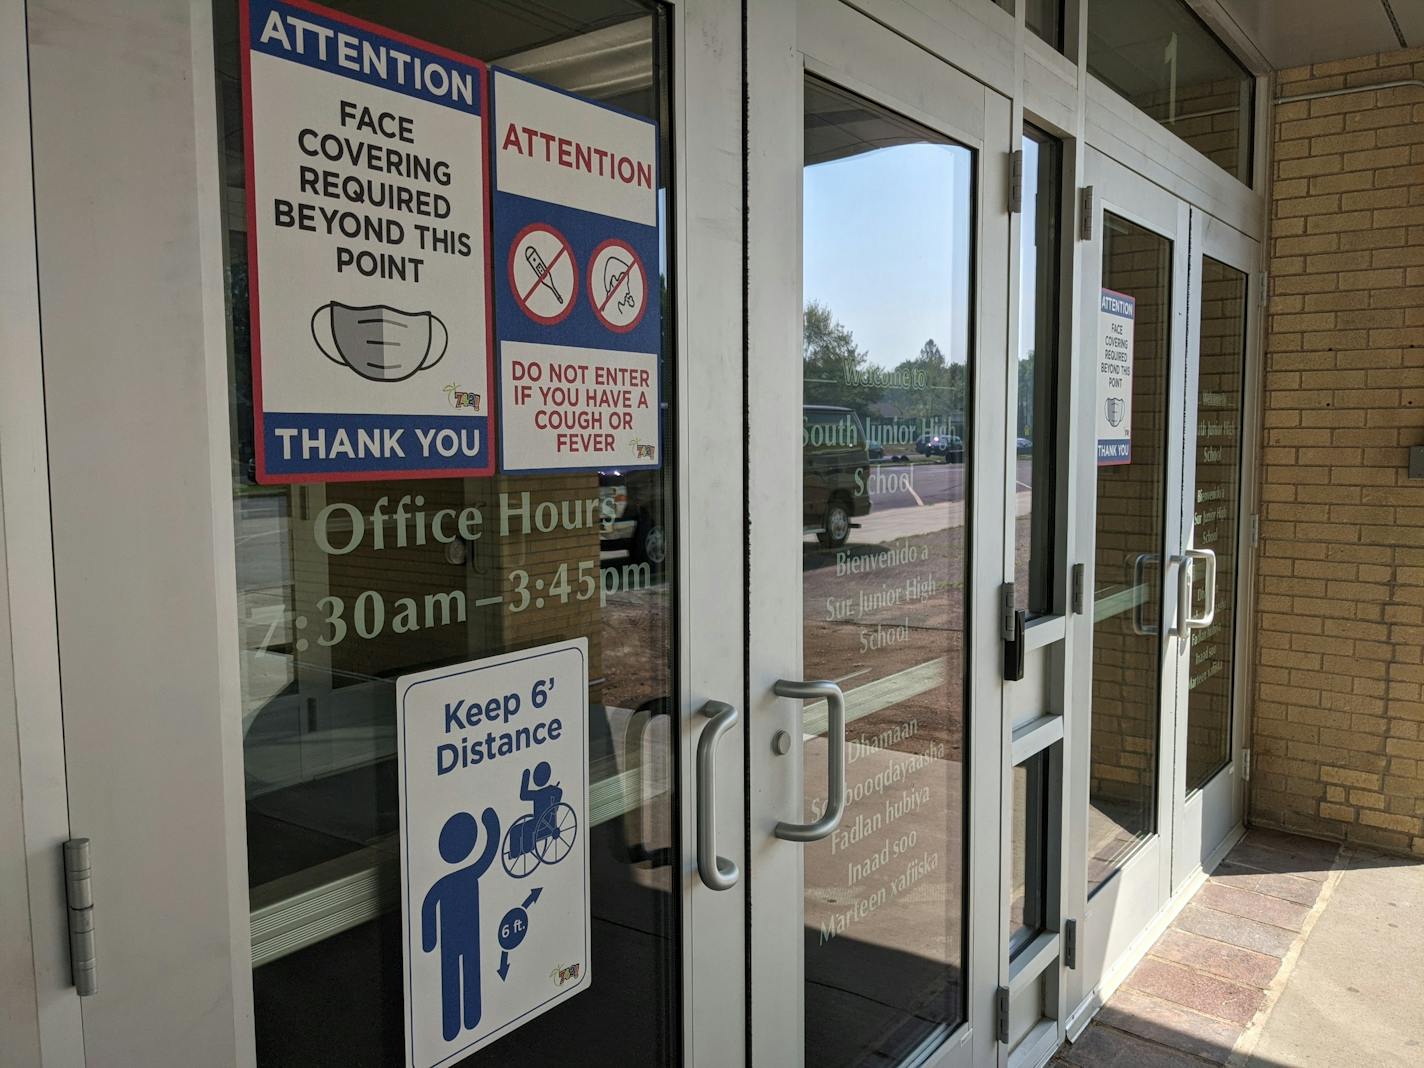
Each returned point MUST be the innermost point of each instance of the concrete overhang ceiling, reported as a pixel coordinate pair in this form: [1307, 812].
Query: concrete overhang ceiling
[1292, 33]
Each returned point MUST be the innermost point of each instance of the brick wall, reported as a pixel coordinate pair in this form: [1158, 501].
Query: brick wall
[1339, 712]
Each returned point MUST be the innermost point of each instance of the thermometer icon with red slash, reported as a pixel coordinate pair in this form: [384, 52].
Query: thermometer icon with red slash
[541, 270]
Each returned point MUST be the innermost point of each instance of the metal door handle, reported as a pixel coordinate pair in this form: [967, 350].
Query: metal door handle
[718, 873]
[835, 758]
[1139, 597]
[1187, 621]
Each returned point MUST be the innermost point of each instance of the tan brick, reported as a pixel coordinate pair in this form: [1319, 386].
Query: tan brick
[1396, 197]
[1290, 246]
[1311, 127]
[1403, 824]
[1304, 165]
[1340, 222]
[1374, 118]
[1374, 238]
[1371, 158]
[1337, 812]
[1344, 66]
[1341, 142]
[1335, 183]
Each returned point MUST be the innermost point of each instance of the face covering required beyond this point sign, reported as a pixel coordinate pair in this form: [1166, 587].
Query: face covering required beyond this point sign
[577, 300]
[368, 223]
[493, 759]
[1116, 318]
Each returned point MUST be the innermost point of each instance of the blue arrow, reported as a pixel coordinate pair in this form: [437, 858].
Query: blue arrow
[503, 968]
[533, 896]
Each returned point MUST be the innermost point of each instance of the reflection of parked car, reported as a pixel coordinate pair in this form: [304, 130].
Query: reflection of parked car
[948, 446]
[834, 459]
[875, 450]
[632, 514]
[1024, 445]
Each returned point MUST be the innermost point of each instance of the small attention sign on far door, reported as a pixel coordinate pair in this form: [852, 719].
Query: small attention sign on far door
[1116, 315]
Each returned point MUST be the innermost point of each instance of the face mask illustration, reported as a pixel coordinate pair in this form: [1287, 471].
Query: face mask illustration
[377, 342]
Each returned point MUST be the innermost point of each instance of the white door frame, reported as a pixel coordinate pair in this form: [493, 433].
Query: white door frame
[39, 1007]
[830, 40]
[134, 325]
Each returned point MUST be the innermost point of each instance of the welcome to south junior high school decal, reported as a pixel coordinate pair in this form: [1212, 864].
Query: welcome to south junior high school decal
[368, 223]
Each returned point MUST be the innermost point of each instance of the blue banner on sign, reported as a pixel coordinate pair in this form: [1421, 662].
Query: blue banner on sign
[345, 445]
[314, 37]
[1117, 304]
[1114, 452]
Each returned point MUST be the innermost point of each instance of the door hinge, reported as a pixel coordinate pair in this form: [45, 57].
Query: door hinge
[1245, 765]
[1079, 572]
[80, 893]
[1016, 165]
[1011, 630]
[1255, 530]
[1085, 213]
[1070, 943]
[1001, 1014]
[1265, 297]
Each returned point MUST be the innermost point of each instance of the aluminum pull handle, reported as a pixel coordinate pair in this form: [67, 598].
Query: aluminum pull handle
[718, 873]
[1140, 595]
[835, 758]
[1185, 620]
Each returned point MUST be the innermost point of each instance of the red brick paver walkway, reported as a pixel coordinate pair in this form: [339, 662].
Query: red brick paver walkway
[1195, 994]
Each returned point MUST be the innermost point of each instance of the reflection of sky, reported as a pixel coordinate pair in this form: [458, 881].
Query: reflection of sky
[887, 248]
[1028, 293]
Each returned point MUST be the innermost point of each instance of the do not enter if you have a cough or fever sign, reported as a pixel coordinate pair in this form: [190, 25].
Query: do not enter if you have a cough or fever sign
[579, 313]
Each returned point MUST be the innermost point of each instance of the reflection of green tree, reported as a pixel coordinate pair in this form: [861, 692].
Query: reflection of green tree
[833, 362]
[938, 388]
[1026, 396]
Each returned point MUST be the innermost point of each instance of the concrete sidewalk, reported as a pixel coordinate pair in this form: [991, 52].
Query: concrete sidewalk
[1356, 993]
[1294, 954]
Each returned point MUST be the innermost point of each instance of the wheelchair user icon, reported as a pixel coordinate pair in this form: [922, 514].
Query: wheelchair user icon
[544, 835]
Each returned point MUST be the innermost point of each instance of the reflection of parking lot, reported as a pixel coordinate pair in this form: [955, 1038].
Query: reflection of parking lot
[903, 499]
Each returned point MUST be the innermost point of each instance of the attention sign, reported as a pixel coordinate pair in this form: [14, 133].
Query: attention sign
[1116, 314]
[576, 290]
[368, 221]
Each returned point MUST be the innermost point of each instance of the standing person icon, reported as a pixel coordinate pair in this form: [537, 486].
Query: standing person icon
[451, 915]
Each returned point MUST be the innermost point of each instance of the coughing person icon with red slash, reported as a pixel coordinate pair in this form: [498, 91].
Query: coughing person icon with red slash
[451, 912]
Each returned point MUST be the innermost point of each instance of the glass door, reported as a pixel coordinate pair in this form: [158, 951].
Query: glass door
[874, 827]
[1163, 387]
[1130, 382]
[1209, 786]
[232, 668]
